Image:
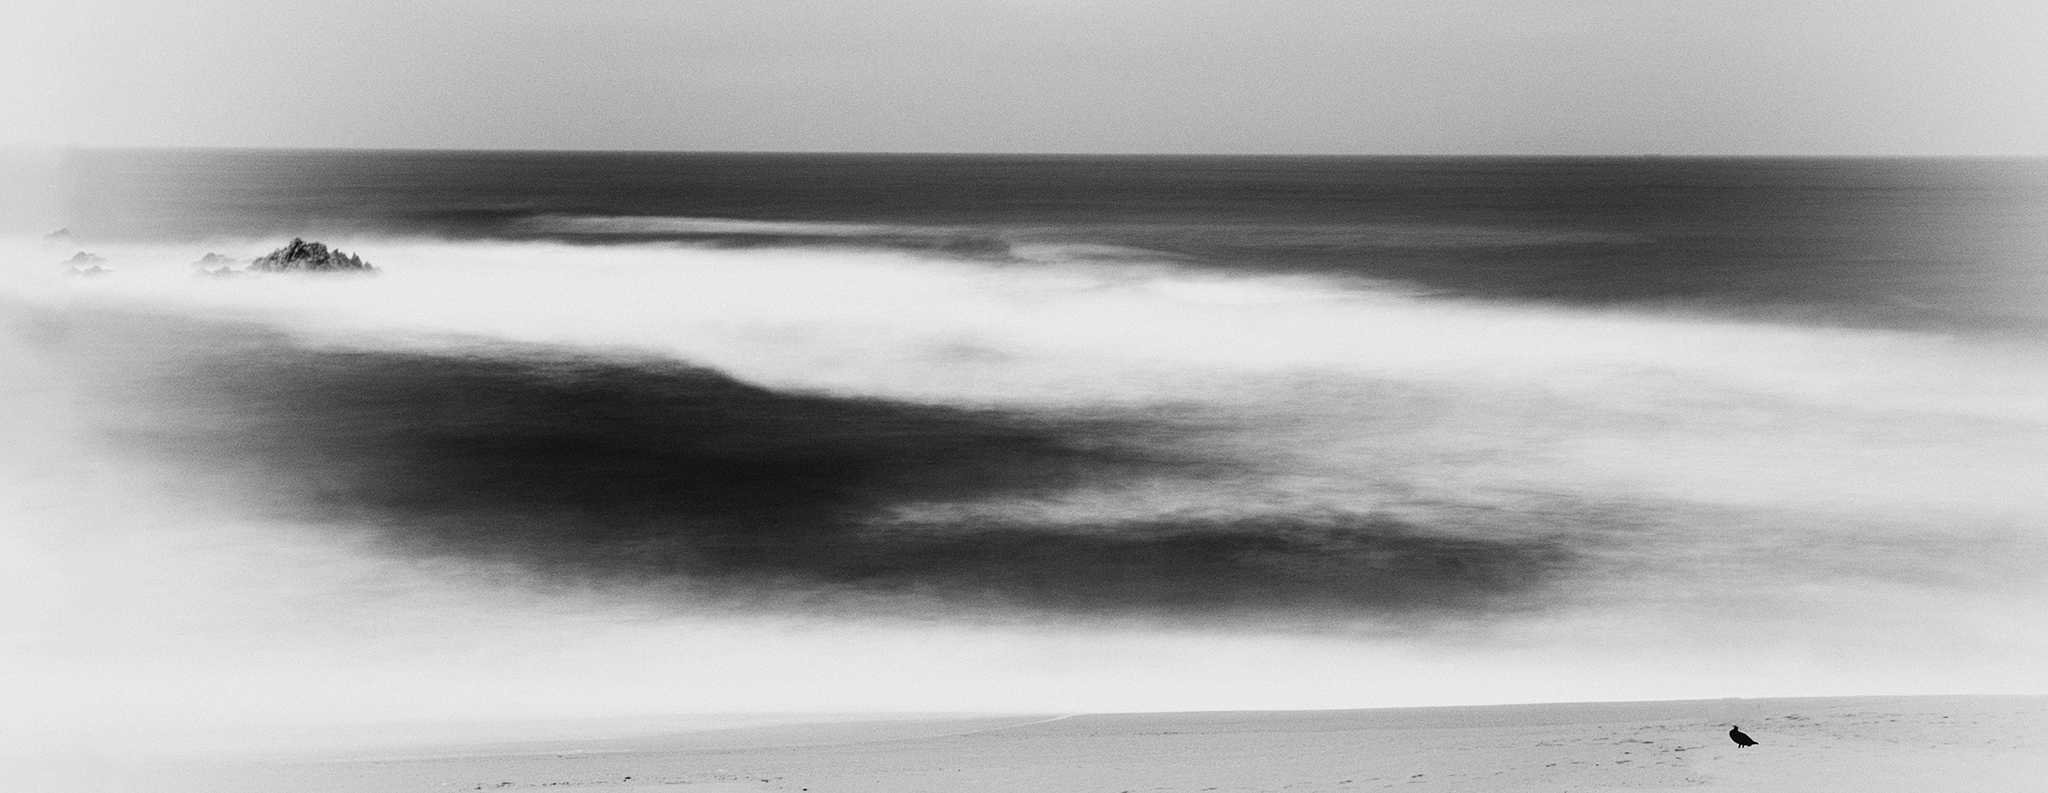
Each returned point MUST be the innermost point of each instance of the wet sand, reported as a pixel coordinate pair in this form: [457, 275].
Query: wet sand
[1835, 744]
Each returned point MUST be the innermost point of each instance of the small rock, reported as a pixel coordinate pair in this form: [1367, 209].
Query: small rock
[87, 264]
[214, 265]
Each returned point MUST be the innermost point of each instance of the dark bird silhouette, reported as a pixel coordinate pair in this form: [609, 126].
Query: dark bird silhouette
[1735, 734]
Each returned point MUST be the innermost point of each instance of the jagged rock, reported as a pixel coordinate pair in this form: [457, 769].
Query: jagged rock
[309, 257]
[60, 235]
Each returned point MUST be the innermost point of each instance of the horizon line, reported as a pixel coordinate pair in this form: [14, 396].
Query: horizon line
[1023, 154]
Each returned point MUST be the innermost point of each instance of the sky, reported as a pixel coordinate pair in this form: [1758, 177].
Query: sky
[1145, 76]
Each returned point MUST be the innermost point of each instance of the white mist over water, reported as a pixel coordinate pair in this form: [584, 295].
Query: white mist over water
[1786, 510]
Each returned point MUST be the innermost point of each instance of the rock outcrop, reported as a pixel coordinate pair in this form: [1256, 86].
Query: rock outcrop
[309, 257]
[82, 263]
[215, 265]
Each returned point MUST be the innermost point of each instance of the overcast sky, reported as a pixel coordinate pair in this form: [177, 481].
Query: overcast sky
[1312, 76]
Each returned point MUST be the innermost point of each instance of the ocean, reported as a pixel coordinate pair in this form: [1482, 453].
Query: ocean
[1924, 243]
[628, 432]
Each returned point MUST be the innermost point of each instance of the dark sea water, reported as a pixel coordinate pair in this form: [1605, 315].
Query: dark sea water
[1918, 243]
[617, 433]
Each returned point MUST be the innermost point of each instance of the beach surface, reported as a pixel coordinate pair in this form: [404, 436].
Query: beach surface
[1823, 744]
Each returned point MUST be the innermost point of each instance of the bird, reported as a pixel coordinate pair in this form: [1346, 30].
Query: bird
[1735, 734]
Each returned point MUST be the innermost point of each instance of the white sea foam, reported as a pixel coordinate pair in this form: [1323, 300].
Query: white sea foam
[759, 313]
[1871, 480]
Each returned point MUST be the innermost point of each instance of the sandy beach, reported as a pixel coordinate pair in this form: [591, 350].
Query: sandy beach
[1834, 744]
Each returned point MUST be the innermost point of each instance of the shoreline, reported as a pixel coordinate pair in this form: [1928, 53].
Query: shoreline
[1887, 742]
